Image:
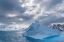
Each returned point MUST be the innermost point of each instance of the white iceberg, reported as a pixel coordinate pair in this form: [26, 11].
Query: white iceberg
[37, 31]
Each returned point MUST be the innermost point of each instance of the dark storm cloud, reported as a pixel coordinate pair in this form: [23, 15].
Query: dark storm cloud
[14, 7]
[26, 17]
[53, 3]
[47, 20]
[9, 20]
[54, 20]
[51, 18]
[10, 7]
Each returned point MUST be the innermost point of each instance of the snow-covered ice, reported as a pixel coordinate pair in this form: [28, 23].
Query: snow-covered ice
[37, 31]
[39, 36]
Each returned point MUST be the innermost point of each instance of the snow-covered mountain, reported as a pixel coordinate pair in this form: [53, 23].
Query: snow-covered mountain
[36, 29]
[59, 26]
[9, 28]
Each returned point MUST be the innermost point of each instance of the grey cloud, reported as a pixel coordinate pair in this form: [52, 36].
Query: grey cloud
[38, 1]
[10, 7]
[48, 4]
[60, 20]
[53, 3]
[9, 20]
[7, 6]
[51, 18]
[25, 17]
[14, 6]
[47, 20]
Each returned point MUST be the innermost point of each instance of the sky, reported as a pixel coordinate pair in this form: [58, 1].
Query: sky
[24, 12]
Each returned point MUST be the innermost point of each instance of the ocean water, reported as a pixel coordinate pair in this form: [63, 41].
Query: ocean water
[12, 36]
[16, 36]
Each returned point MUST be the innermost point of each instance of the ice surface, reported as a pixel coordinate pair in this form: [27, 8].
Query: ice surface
[37, 31]
[39, 36]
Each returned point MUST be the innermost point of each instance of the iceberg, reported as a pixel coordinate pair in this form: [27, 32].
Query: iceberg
[37, 31]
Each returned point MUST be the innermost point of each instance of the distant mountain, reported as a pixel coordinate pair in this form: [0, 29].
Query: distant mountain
[59, 26]
[8, 28]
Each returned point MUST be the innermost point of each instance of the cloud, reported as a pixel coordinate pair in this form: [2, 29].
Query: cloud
[50, 11]
[26, 11]
[11, 11]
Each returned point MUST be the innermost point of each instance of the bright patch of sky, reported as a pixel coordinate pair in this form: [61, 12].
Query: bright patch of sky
[11, 15]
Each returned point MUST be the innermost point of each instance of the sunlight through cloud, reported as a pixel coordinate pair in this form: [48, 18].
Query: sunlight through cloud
[11, 15]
